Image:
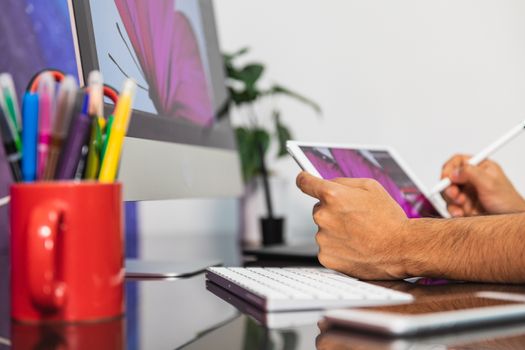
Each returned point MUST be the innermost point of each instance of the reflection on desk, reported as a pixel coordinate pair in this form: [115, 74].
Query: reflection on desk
[272, 320]
[506, 337]
[170, 314]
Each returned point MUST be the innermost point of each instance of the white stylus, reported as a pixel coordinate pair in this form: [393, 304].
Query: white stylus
[484, 154]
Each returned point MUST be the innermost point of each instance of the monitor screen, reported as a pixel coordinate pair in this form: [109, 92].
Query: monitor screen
[180, 143]
[162, 45]
[36, 35]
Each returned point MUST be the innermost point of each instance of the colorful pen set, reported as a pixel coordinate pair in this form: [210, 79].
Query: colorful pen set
[61, 132]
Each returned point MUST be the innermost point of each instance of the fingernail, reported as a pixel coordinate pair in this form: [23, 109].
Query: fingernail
[455, 213]
[455, 173]
[300, 179]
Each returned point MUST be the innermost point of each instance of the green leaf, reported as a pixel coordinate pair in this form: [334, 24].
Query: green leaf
[245, 96]
[248, 141]
[280, 90]
[229, 57]
[283, 134]
[251, 73]
[247, 153]
[261, 137]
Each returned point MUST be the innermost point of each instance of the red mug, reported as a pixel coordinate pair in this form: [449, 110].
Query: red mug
[67, 252]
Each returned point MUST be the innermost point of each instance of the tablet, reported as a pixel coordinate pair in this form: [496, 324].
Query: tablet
[438, 314]
[329, 161]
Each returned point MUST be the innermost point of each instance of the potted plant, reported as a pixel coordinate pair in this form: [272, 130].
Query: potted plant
[256, 133]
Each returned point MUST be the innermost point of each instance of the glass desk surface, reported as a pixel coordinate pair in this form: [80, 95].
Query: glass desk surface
[184, 313]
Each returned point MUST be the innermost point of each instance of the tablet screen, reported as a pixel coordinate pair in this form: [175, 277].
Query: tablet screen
[379, 165]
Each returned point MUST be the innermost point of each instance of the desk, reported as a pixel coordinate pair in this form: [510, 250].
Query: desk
[170, 314]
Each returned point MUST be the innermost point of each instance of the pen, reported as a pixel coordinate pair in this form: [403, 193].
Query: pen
[29, 136]
[81, 165]
[78, 133]
[484, 154]
[10, 106]
[119, 129]
[12, 153]
[46, 93]
[63, 114]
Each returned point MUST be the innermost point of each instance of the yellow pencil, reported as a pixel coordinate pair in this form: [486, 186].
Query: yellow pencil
[110, 163]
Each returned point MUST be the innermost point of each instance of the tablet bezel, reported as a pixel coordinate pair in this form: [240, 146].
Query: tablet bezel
[294, 148]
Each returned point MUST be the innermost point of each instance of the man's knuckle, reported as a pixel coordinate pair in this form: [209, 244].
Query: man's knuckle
[318, 217]
[322, 239]
[318, 237]
[329, 194]
[369, 184]
[324, 259]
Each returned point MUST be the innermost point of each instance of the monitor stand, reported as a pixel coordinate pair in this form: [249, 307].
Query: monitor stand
[138, 268]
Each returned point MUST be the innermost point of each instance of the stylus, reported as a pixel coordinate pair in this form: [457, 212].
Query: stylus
[484, 154]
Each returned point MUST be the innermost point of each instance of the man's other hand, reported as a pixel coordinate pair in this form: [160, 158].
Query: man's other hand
[479, 190]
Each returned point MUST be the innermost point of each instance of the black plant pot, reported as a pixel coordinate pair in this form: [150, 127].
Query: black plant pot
[272, 231]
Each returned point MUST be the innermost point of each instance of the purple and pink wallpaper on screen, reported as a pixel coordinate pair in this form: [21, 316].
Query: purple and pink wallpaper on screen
[165, 45]
[379, 165]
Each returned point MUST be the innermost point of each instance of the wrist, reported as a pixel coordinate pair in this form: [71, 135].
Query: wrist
[415, 256]
[407, 239]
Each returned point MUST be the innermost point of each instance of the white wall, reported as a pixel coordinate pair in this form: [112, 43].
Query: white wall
[430, 78]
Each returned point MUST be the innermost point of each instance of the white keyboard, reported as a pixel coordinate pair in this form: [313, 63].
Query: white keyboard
[288, 289]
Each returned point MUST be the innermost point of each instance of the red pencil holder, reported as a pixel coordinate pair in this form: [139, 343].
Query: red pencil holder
[67, 251]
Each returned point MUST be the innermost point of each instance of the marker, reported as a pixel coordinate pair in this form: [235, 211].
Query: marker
[484, 154]
[29, 136]
[96, 111]
[95, 148]
[119, 129]
[12, 154]
[63, 115]
[10, 107]
[105, 138]
[46, 94]
[77, 137]
[96, 94]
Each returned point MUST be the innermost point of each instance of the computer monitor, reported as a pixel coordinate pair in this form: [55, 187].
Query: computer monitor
[180, 143]
[34, 35]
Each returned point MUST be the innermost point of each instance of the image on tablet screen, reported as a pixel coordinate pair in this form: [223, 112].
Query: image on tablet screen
[379, 165]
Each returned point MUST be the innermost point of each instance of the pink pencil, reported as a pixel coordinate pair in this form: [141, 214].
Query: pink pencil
[46, 90]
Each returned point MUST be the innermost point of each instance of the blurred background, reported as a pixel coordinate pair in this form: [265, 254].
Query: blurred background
[430, 78]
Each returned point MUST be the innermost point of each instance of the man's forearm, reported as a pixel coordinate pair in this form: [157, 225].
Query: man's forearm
[488, 249]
